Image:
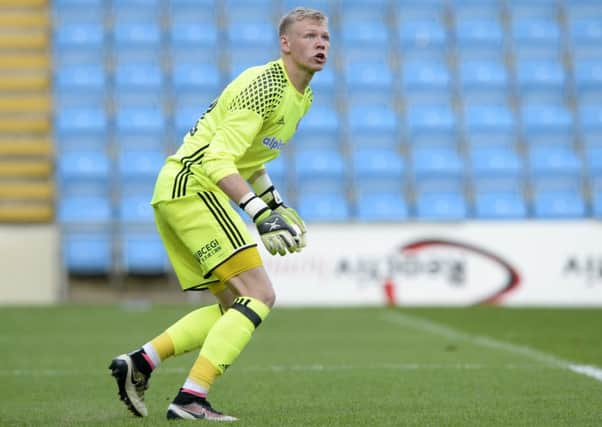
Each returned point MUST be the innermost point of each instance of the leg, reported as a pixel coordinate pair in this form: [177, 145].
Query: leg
[225, 341]
[132, 371]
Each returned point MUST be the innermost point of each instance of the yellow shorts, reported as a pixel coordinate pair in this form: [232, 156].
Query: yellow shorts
[206, 241]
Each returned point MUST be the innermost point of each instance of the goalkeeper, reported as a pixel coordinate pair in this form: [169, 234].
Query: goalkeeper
[222, 159]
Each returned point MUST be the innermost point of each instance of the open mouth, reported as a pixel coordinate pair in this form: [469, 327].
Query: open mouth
[320, 57]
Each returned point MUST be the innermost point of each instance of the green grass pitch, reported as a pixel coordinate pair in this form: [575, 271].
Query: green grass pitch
[481, 366]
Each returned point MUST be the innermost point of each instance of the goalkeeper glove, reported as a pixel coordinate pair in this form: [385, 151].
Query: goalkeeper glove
[265, 189]
[277, 234]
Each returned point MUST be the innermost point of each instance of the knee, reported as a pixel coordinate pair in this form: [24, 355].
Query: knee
[256, 284]
[269, 298]
[265, 294]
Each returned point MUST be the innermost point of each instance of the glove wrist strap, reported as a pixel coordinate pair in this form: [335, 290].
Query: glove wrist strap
[253, 205]
[272, 197]
[265, 189]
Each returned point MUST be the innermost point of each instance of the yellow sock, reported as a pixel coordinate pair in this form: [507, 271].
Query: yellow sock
[203, 373]
[232, 332]
[163, 345]
[190, 331]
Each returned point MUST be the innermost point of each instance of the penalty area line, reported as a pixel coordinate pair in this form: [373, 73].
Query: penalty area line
[435, 328]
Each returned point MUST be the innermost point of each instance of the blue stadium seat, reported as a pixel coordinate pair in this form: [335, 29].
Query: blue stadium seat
[324, 207]
[535, 31]
[320, 127]
[418, 75]
[143, 253]
[590, 118]
[588, 74]
[430, 120]
[436, 162]
[549, 120]
[369, 33]
[243, 57]
[377, 169]
[250, 9]
[325, 81]
[495, 161]
[88, 252]
[195, 76]
[558, 196]
[369, 77]
[80, 77]
[540, 75]
[476, 8]
[377, 124]
[256, 32]
[143, 77]
[193, 34]
[139, 34]
[498, 183]
[84, 165]
[140, 120]
[79, 85]
[320, 168]
[500, 205]
[134, 164]
[357, 11]
[488, 121]
[88, 36]
[485, 79]
[558, 205]
[84, 210]
[381, 207]
[585, 29]
[441, 206]
[81, 121]
[135, 209]
[554, 161]
[480, 32]
[423, 34]
[77, 11]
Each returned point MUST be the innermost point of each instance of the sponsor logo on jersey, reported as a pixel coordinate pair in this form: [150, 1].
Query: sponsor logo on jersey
[208, 250]
[272, 143]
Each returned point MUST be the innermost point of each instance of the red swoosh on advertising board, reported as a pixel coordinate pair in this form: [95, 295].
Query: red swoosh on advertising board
[513, 276]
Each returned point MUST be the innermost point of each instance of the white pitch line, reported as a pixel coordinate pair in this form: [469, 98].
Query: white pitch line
[290, 368]
[487, 342]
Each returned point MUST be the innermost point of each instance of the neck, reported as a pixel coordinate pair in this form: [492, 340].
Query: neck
[298, 76]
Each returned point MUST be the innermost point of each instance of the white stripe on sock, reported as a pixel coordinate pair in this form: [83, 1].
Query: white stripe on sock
[152, 353]
[191, 385]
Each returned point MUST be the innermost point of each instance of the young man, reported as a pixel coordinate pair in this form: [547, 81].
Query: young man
[207, 242]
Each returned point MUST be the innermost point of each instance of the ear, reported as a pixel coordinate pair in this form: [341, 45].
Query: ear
[284, 45]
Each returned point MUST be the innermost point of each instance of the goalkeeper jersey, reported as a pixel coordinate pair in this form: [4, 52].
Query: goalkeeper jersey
[245, 127]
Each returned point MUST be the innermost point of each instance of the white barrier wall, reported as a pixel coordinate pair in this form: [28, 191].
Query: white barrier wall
[508, 263]
[30, 264]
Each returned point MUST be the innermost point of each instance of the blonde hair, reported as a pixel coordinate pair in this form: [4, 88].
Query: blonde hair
[299, 14]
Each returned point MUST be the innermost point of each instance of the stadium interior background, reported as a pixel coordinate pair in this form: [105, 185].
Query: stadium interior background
[429, 111]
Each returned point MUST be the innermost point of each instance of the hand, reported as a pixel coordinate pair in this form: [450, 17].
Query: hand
[292, 217]
[277, 233]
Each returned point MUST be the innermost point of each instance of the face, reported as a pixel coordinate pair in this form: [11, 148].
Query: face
[307, 42]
